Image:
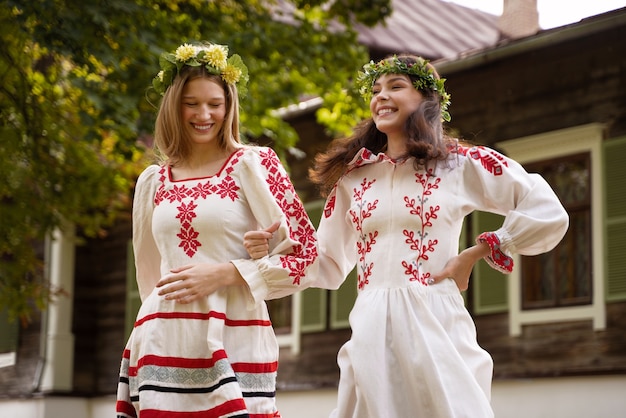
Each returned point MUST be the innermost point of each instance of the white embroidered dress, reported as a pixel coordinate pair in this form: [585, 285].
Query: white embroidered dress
[413, 350]
[216, 357]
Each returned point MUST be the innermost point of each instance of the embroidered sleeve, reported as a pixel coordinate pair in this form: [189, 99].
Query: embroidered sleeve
[497, 259]
[535, 220]
[293, 249]
[147, 257]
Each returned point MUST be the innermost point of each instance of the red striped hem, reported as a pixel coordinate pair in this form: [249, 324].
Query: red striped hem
[227, 408]
[203, 317]
[255, 367]
[188, 363]
[201, 363]
[123, 407]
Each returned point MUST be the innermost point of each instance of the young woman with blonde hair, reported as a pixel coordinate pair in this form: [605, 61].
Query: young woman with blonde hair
[203, 344]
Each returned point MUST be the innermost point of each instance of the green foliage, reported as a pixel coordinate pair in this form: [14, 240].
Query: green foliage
[342, 110]
[76, 106]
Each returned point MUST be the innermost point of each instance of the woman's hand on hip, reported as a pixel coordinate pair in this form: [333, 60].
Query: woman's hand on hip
[459, 268]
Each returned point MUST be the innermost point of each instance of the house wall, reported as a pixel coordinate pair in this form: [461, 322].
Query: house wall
[542, 90]
[99, 296]
[25, 376]
[20, 379]
[99, 311]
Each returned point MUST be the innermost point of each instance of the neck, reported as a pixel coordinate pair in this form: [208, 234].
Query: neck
[396, 147]
[204, 155]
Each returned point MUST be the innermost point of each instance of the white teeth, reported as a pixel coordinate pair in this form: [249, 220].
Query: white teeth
[385, 111]
[202, 127]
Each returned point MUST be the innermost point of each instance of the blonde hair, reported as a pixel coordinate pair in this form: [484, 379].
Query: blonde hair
[171, 141]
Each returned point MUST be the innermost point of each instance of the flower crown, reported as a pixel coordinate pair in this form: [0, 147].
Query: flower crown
[424, 78]
[212, 56]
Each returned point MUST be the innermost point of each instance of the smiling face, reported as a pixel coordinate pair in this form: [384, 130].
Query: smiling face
[394, 98]
[203, 109]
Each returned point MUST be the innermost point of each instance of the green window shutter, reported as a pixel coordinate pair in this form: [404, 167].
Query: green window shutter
[490, 286]
[463, 244]
[342, 301]
[8, 333]
[615, 224]
[314, 301]
[133, 300]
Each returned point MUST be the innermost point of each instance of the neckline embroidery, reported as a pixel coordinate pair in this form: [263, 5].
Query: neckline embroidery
[224, 166]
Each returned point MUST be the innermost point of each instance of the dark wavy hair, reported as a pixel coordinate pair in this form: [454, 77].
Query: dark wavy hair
[426, 140]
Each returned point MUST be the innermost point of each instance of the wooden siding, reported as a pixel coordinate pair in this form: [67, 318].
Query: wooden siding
[99, 311]
[20, 380]
[543, 89]
[556, 349]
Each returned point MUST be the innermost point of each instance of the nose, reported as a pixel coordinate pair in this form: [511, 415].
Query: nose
[382, 95]
[204, 112]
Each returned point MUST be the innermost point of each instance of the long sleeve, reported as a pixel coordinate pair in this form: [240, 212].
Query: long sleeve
[147, 257]
[535, 220]
[336, 241]
[293, 249]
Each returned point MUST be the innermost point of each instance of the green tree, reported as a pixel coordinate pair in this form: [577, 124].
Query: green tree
[76, 107]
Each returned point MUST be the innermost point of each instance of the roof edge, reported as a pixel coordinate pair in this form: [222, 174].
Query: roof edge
[548, 37]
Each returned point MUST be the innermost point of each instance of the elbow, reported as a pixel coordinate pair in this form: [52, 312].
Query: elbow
[563, 224]
[560, 225]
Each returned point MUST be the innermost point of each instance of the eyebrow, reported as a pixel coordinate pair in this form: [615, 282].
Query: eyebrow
[391, 80]
[191, 96]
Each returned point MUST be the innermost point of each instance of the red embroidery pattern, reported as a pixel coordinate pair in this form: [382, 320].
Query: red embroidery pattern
[497, 259]
[300, 232]
[417, 240]
[302, 256]
[364, 157]
[330, 206]
[187, 234]
[364, 246]
[491, 160]
[226, 189]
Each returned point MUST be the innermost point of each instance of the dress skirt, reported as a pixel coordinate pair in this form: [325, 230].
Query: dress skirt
[199, 360]
[421, 341]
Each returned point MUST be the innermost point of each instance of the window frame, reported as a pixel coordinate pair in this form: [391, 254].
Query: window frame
[550, 145]
[575, 210]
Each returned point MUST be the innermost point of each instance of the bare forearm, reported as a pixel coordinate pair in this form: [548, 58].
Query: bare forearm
[475, 253]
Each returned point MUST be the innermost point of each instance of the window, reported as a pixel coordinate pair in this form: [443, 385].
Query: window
[568, 283]
[562, 277]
